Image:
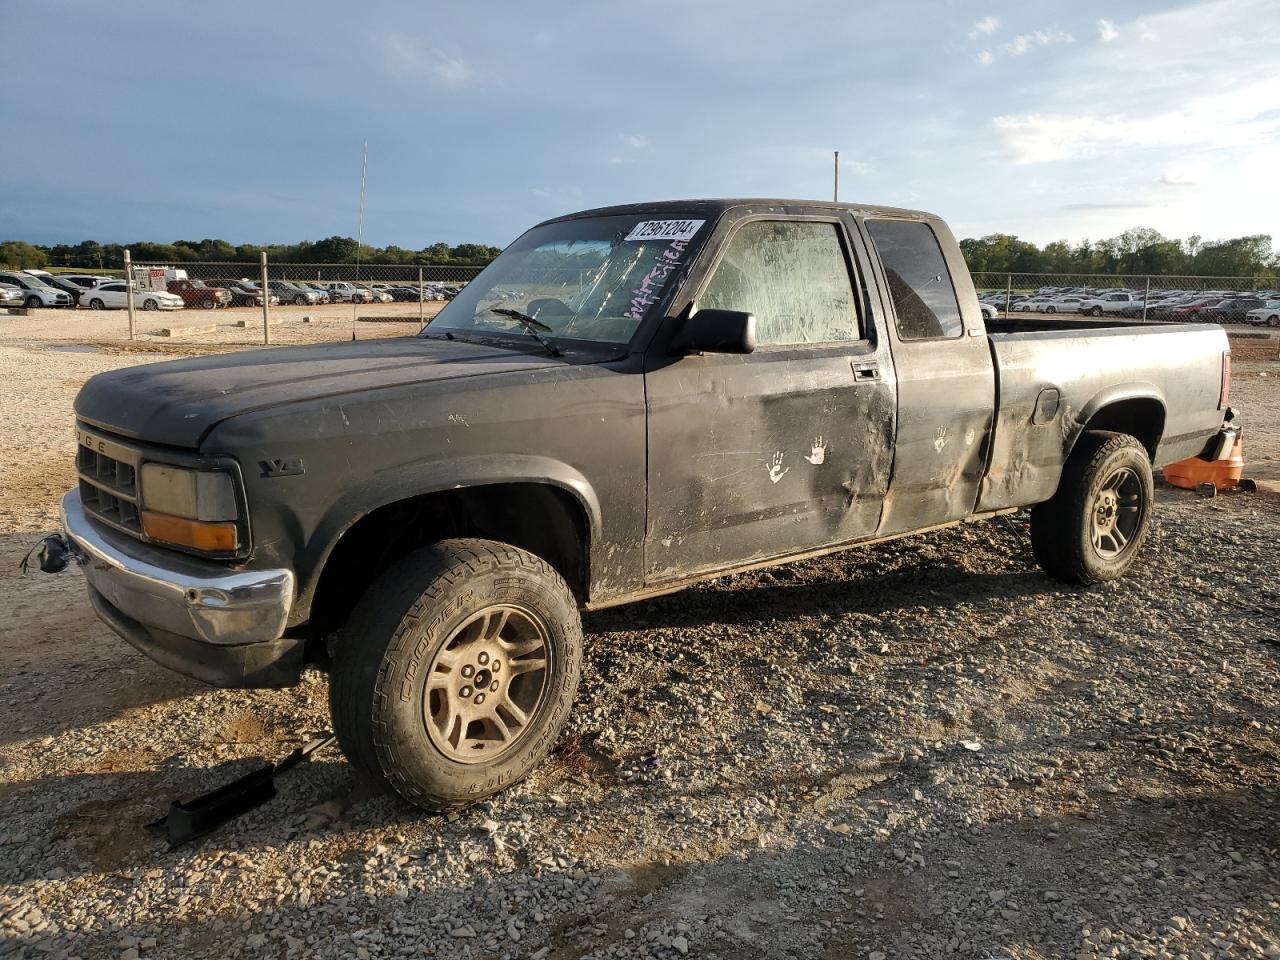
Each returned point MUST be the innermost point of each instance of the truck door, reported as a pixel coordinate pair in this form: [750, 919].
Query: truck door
[946, 377]
[786, 449]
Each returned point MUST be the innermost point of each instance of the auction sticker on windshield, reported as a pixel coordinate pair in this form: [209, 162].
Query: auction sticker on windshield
[665, 230]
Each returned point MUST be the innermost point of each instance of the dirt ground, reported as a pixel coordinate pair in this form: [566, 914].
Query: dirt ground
[921, 749]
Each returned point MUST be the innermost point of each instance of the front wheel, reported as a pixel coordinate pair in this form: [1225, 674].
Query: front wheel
[1096, 523]
[96, 304]
[300, 300]
[1051, 309]
[33, 302]
[1095, 311]
[1273, 320]
[150, 304]
[454, 674]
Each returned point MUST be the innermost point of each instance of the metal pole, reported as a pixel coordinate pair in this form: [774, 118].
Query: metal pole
[422, 293]
[128, 288]
[1146, 297]
[266, 298]
[1008, 296]
[835, 193]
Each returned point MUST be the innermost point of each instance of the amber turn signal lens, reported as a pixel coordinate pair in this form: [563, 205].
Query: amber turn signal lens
[213, 537]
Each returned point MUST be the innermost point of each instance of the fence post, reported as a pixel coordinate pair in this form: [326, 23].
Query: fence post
[266, 302]
[1008, 295]
[422, 293]
[1146, 297]
[128, 292]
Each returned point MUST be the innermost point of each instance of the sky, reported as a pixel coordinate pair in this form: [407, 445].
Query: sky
[165, 121]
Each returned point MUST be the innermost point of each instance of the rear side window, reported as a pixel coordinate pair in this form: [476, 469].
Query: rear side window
[924, 298]
[793, 275]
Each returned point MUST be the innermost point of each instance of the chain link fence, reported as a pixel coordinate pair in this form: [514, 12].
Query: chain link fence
[332, 297]
[1230, 300]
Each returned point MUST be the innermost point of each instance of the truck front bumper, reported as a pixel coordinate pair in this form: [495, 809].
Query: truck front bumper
[193, 616]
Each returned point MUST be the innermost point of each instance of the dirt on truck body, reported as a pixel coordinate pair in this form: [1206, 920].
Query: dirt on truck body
[627, 401]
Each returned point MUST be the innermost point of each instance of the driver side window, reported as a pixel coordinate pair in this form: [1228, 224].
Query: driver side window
[793, 275]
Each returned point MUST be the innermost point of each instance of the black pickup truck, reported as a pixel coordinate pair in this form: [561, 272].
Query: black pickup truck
[627, 401]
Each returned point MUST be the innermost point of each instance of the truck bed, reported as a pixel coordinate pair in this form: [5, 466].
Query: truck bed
[1053, 376]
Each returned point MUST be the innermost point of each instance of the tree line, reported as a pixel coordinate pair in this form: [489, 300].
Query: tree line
[91, 255]
[1137, 251]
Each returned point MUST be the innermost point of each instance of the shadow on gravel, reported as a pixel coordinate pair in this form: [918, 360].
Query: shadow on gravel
[1025, 883]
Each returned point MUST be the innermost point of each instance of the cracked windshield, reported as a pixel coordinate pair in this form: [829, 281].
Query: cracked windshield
[592, 279]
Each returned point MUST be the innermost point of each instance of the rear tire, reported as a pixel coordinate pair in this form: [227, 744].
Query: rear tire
[1095, 525]
[435, 690]
[1095, 311]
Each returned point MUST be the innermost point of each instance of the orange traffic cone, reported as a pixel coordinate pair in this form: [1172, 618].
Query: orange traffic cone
[1223, 474]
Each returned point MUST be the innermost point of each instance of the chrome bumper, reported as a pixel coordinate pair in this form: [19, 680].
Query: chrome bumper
[194, 616]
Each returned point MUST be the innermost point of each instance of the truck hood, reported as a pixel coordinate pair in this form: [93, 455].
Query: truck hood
[176, 403]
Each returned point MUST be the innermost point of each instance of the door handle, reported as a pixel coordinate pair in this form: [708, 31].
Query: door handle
[863, 372]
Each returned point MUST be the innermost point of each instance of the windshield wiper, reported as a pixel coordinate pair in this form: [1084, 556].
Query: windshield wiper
[532, 326]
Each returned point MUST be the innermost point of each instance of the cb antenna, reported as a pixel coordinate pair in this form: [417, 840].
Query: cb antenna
[364, 171]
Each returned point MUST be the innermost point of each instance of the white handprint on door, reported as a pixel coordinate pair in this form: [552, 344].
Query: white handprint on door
[776, 470]
[819, 454]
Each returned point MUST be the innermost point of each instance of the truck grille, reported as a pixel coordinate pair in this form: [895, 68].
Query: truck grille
[108, 481]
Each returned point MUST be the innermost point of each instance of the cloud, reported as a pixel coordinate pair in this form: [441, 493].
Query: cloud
[1176, 178]
[985, 26]
[1239, 117]
[407, 55]
[986, 58]
[1105, 206]
[635, 141]
[859, 167]
[1024, 43]
[1107, 31]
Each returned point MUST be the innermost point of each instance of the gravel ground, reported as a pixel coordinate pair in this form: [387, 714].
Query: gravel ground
[921, 749]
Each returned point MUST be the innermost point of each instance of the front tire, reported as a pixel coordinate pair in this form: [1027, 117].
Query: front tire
[97, 304]
[455, 672]
[1095, 311]
[1095, 525]
[300, 300]
[150, 304]
[33, 302]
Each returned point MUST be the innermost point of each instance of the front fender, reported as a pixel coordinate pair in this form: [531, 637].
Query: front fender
[419, 478]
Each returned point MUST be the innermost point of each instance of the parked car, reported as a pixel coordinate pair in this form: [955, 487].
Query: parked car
[35, 292]
[1266, 315]
[322, 295]
[341, 290]
[240, 296]
[292, 293]
[1067, 304]
[1106, 303]
[85, 281]
[424, 517]
[73, 290]
[197, 293]
[1232, 309]
[10, 295]
[115, 296]
[989, 311]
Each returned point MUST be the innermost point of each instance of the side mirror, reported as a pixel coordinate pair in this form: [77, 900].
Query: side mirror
[716, 331]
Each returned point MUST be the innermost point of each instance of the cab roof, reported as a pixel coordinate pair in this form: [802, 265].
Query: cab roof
[713, 208]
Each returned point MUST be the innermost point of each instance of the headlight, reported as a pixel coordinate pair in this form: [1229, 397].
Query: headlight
[190, 508]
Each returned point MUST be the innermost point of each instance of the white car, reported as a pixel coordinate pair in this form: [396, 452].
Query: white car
[1069, 304]
[1265, 316]
[340, 290]
[989, 312]
[35, 292]
[1034, 305]
[115, 296]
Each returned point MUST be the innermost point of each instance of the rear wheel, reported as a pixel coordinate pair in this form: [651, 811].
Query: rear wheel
[455, 672]
[1096, 523]
[1051, 309]
[1095, 311]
